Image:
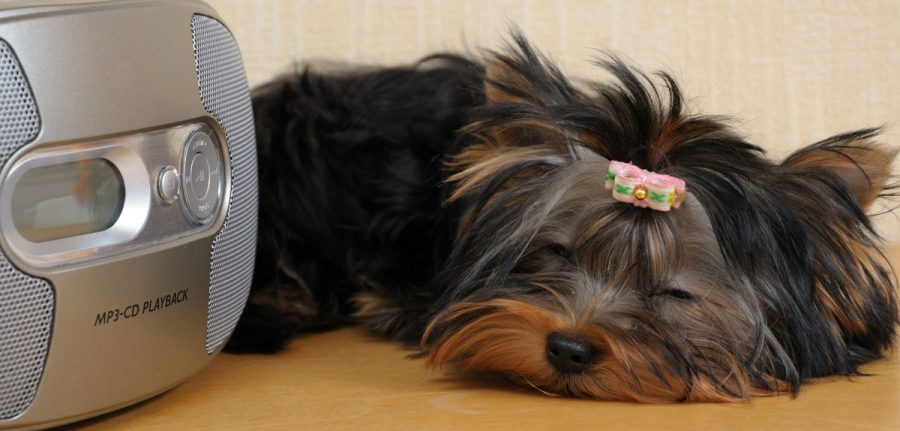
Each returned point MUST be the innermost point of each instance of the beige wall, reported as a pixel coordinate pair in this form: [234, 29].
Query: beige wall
[792, 72]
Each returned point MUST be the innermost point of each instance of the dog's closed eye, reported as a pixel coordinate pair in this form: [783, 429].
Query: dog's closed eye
[673, 292]
[560, 251]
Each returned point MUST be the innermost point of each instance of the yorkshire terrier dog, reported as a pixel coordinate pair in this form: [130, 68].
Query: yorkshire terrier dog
[591, 239]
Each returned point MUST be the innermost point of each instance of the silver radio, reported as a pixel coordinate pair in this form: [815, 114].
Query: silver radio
[127, 202]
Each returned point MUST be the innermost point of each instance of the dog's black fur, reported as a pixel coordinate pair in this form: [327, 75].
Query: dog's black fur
[351, 191]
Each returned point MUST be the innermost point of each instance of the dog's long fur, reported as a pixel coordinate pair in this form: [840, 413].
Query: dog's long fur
[459, 205]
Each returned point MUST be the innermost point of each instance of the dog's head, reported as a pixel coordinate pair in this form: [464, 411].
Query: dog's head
[768, 274]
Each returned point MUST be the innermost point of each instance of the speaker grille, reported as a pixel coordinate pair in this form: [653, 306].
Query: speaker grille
[26, 303]
[18, 112]
[224, 93]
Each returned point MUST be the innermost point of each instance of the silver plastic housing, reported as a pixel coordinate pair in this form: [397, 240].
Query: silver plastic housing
[100, 71]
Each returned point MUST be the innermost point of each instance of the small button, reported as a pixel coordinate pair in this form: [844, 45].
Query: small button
[167, 184]
[199, 175]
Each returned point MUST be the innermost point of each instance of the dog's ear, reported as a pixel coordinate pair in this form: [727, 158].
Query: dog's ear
[522, 75]
[519, 132]
[827, 187]
[863, 164]
[528, 101]
[503, 83]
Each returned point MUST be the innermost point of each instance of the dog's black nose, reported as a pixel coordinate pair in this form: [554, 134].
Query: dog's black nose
[569, 354]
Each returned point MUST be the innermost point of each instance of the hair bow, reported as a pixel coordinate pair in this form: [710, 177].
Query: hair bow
[645, 189]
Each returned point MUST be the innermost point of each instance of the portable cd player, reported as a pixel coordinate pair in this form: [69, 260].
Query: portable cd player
[128, 197]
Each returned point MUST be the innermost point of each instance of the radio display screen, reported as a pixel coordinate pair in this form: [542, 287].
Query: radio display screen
[67, 199]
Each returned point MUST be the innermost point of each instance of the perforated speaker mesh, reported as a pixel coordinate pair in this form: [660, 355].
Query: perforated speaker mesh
[26, 303]
[224, 93]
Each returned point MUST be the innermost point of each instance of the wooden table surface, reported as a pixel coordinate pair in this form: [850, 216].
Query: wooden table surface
[347, 379]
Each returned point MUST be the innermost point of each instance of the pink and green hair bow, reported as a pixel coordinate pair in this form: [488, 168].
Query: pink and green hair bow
[642, 188]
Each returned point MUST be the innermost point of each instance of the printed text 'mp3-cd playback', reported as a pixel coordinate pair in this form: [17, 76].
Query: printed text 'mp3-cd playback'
[135, 310]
